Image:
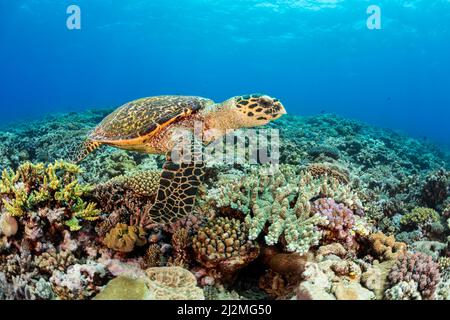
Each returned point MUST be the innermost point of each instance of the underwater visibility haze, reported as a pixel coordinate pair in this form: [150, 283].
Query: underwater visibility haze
[355, 91]
[316, 55]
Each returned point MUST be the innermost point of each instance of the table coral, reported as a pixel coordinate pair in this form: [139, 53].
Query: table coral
[173, 283]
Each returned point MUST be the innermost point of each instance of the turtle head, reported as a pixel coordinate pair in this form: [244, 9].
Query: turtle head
[256, 109]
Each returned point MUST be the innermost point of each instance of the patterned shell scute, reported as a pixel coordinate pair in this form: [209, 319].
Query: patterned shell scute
[141, 117]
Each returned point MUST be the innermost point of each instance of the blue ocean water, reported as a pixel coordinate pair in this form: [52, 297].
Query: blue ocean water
[316, 56]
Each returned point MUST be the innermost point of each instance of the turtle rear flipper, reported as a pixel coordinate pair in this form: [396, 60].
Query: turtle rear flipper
[178, 186]
[79, 153]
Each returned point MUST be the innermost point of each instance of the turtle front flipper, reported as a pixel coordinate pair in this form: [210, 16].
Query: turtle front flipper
[178, 186]
[87, 147]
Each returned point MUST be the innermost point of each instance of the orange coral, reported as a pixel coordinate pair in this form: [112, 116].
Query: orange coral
[385, 247]
[124, 238]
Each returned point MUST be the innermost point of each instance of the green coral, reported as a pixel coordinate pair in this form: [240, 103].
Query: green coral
[35, 186]
[420, 217]
[280, 198]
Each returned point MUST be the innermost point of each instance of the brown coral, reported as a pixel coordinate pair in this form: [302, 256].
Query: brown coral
[273, 284]
[126, 198]
[143, 183]
[152, 256]
[124, 238]
[318, 170]
[49, 261]
[223, 243]
[180, 243]
[385, 247]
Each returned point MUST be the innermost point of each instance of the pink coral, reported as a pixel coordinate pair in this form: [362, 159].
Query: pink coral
[418, 267]
[340, 221]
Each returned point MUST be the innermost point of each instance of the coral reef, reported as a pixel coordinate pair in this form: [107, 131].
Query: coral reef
[352, 212]
[282, 199]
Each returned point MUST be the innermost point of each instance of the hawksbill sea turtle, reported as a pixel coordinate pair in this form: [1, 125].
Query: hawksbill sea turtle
[149, 125]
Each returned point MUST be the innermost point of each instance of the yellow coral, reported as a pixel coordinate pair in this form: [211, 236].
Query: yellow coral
[34, 186]
[385, 247]
[420, 217]
[124, 238]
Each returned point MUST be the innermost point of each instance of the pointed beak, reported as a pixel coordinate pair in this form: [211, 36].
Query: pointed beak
[282, 111]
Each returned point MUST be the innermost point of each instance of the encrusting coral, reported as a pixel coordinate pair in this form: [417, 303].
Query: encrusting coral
[173, 283]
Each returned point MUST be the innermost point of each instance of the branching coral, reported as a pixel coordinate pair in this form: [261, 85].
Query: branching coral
[152, 256]
[124, 238]
[180, 243]
[35, 186]
[223, 244]
[436, 188]
[80, 281]
[281, 199]
[127, 199]
[50, 261]
[340, 222]
[419, 268]
[420, 217]
[404, 290]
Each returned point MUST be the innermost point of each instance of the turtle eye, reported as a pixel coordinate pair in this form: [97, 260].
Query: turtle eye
[266, 101]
